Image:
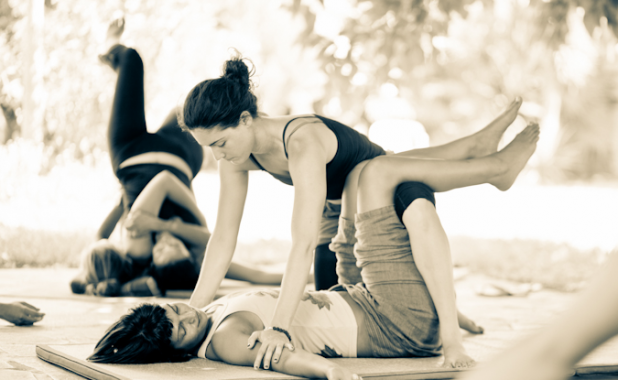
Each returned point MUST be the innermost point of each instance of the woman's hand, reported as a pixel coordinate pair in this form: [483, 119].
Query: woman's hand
[340, 373]
[139, 223]
[273, 343]
[20, 313]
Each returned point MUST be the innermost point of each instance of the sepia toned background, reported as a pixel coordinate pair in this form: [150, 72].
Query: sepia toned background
[408, 73]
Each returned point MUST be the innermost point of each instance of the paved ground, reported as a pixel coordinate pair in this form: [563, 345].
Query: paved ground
[82, 319]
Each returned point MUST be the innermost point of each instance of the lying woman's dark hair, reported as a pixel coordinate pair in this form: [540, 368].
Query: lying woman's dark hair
[141, 336]
[220, 101]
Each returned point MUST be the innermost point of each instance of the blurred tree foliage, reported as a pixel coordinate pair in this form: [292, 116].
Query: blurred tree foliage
[457, 62]
[450, 64]
[181, 43]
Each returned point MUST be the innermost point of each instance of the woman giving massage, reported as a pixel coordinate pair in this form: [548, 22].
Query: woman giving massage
[320, 158]
[391, 313]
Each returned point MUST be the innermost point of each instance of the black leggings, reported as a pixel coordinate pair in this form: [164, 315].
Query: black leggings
[127, 134]
[324, 267]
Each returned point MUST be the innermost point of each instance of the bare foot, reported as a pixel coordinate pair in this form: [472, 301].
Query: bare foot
[516, 155]
[114, 32]
[457, 357]
[486, 140]
[468, 324]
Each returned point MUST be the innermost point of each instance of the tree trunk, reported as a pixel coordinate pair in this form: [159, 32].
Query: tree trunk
[550, 136]
[12, 127]
[32, 42]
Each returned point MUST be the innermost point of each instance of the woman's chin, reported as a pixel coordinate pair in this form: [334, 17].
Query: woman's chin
[237, 161]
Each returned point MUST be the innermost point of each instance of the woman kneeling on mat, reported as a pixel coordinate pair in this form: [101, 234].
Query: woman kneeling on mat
[390, 314]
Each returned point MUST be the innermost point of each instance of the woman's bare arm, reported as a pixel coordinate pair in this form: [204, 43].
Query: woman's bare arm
[222, 243]
[166, 185]
[307, 165]
[230, 345]
[241, 272]
[108, 225]
[141, 222]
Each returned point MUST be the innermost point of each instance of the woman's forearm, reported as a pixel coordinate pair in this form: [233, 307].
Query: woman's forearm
[293, 285]
[191, 233]
[180, 194]
[222, 243]
[108, 225]
[216, 263]
[241, 272]
[166, 185]
[302, 363]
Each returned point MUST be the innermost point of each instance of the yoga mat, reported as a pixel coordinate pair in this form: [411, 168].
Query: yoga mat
[72, 358]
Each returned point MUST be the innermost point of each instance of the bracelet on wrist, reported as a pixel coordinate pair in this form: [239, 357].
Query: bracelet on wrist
[281, 330]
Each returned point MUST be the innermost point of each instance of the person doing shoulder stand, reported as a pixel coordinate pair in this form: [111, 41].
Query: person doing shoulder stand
[318, 156]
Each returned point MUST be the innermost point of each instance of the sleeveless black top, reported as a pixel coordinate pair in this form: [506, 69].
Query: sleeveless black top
[353, 147]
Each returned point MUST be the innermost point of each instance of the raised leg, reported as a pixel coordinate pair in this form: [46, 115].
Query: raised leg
[479, 144]
[499, 169]
[128, 118]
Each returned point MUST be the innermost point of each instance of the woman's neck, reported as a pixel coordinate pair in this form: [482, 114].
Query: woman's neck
[267, 132]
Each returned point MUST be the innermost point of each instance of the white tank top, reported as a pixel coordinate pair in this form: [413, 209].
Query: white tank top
[324, 323]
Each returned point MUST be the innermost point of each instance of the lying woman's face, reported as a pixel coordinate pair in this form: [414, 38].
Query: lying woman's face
[189, 325]
[168, 249]
[137, 247]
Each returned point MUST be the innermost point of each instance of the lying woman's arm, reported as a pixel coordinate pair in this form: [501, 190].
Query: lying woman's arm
[230, 345]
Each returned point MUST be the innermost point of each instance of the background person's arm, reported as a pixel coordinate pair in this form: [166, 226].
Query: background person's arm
[238, 271]
[241, 272]
[108, 225]
[140, 221]
[20, 313]
[166, 185]
[222, 243]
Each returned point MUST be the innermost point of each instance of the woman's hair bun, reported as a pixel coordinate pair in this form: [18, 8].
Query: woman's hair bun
[237, 70]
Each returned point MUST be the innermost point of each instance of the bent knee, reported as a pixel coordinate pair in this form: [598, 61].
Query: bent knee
[415, 197]
[419, 216]
[374, 172]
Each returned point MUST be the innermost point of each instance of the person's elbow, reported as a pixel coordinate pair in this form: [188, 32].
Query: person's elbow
[163, 176]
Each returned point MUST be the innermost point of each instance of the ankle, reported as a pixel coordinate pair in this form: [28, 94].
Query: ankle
[452, 341]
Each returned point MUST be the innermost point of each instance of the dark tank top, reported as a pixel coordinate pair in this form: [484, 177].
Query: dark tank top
[352, 148]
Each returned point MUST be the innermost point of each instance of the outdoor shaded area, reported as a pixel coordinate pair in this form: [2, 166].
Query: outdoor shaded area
[407, 73]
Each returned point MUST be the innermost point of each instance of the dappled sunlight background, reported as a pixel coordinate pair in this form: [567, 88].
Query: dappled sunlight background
[409, 76]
